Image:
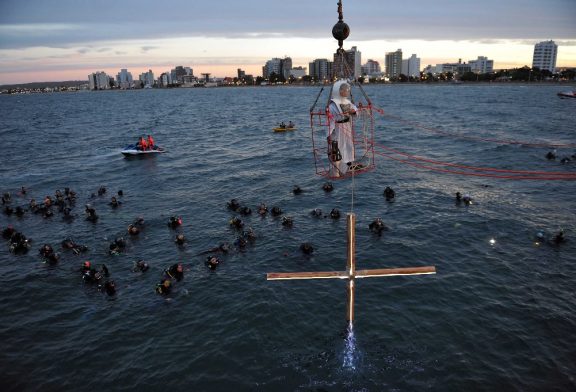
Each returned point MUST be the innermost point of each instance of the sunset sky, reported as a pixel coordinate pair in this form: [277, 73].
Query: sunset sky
[43, 40]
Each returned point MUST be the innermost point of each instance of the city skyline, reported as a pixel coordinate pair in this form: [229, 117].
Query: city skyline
[51, 41]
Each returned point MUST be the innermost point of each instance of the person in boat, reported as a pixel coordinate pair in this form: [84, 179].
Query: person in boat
[290, 124]
[142, 144]
[340, 138]
[151, 143]
[175, 271]
[282, 125]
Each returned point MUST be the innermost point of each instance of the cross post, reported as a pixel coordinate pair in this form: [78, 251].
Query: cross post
[351, 274]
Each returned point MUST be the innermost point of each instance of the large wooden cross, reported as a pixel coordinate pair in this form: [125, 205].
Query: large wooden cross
[351, 273]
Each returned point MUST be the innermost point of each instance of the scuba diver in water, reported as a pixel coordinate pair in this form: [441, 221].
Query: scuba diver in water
[307, 248]
[377, 226]
[212, 262]
[175, 271]
[117, 246]
[389, 193]
[262, 209]
[175, 221]
[164, 287]
[91, 213]
[76, 248]
[233, 205]
[335, 213]
[140, 266]
[180, 239]
[328, 187]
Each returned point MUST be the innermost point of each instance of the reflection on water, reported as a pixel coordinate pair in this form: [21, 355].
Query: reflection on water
[350, 353]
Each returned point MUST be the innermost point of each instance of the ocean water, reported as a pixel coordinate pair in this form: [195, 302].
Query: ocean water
[498, 315]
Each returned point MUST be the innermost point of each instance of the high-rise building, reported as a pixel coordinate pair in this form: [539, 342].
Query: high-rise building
[99, 81]
[320, 70]
[411, 67]
[277, 66]
[393, 62]
[181, 74]
[147, 78]
[545, 54]
[372, 67]
[124, 79]
[481, 65]
[349, 65]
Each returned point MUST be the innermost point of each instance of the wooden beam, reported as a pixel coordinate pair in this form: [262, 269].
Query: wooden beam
[395, 272]
[307, 275]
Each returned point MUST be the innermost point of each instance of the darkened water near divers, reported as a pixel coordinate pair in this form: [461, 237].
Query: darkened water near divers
[497, 316]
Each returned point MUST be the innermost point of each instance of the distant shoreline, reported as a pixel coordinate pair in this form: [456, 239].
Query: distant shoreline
[75, 86]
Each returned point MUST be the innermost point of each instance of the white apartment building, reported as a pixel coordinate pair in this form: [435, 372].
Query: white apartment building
[124, 79]
[147, 78]
[411, 66]
[545, 54]
[481, 65]
[99, 81]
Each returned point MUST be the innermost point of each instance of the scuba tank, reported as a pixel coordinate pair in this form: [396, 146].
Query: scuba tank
[334, 151]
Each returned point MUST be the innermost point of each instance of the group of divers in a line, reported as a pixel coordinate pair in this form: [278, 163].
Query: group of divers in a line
[552, 155]
[18, 243]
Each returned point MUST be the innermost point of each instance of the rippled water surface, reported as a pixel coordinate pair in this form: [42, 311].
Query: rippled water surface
[497, 316]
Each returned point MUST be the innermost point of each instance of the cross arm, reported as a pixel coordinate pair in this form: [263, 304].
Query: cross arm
[395, 272]
[307, 275]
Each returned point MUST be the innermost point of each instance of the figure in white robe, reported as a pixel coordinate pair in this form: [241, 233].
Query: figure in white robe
[340, 138]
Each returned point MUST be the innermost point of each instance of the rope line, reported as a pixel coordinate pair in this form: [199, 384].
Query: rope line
[476, 168]
[491, 140]
[510, 177]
